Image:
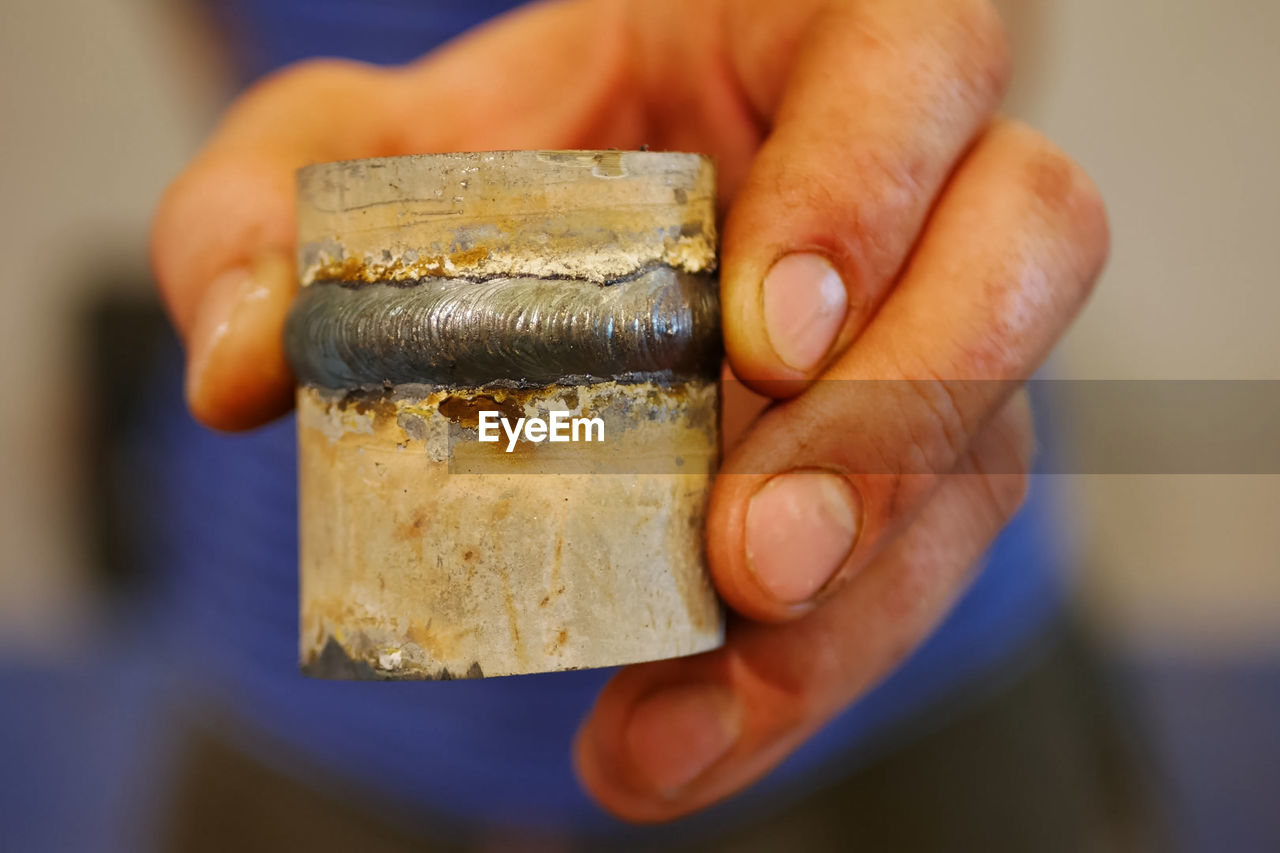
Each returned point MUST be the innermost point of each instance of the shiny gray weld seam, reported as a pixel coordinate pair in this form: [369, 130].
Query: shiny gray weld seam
[469, 332]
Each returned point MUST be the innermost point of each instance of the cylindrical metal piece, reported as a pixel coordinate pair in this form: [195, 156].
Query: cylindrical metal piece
[445, 298]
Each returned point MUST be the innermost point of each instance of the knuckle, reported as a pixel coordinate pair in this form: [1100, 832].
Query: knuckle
[220, 211]
[299, 105]
[986, 42]
[860, 231]
[1055, 180]
[864, 230]
[1021, 489]
[803, 686]
[310, 76]
[177, 212]
[868, 243]
[928, 437]
[895, 178]
[908, 600]
[939, 431]
[1009, 489]
[1006, 493]
[1064, 195]
[1006, 463]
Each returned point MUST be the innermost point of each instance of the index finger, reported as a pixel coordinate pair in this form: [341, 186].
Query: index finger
[223, 236]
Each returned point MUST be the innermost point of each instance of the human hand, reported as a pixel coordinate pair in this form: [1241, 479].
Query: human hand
[881, 225]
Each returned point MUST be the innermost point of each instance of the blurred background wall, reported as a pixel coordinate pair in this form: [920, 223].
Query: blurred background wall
[103, 103]
[1170, 104]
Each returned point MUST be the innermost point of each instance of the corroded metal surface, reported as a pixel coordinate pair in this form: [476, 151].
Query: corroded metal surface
[509, 569]
[441, 286]
[590, 215]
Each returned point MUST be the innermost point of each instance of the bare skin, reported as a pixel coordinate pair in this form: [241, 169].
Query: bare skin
[881, 223]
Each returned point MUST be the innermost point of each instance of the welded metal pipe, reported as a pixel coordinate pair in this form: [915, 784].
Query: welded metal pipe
[444, 292]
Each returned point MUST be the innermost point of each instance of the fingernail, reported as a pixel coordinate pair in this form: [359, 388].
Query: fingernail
[801, 527]
[212, 324]
[804, 308]
[677, 733]
[233, 338]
